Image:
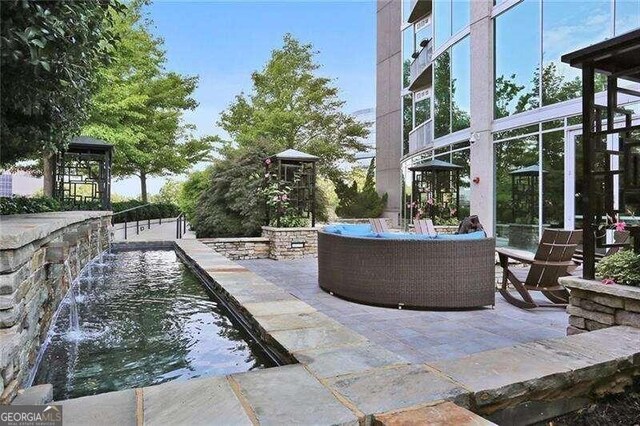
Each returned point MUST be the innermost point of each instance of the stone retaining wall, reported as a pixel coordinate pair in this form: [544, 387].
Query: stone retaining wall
[239, 248]
[39, 255]
[291, 243]
[593, 305]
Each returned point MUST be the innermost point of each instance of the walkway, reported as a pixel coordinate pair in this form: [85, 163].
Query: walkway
[157, 232]
[417, 336]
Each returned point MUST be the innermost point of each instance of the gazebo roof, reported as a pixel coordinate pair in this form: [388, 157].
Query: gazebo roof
[294, 155]
[618, 57]
[533, 170]
[434, 165]
[80, 143]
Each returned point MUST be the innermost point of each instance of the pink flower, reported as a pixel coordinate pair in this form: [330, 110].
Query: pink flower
[620, 226]
[267, 161]
[453, 211]
[284, 197]
[608, 281]
[430, 201]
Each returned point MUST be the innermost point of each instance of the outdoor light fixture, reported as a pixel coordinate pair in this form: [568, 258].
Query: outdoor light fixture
[473, 138]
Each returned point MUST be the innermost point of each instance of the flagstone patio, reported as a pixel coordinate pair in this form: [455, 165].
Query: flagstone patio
[417, 336]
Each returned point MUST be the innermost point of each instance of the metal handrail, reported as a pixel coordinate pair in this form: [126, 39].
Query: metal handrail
[132, 208]
[181, 225]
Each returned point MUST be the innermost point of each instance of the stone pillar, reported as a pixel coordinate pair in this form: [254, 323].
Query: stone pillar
[482, 156]
[388, 105]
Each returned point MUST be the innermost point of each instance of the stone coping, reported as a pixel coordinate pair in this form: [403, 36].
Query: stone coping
[342, 378]
[235, 240]
[19, 230]
[625, 291]
[275, 229]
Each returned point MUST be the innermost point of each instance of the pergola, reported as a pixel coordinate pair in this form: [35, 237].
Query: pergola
[438, 180]
[82, 172]
[297, 169]
[606, 166]
[524, 191]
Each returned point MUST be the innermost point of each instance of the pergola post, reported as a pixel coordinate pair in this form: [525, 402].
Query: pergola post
[588, 234]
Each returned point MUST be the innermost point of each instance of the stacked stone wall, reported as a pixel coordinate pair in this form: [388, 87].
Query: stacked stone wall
[291, 243]
[240, 248]
[594, 305]
[35, 275]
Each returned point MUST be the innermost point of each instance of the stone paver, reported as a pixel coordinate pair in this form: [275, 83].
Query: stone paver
[392, 388]
[289, 396]
[417, 336]
[445, 414]
[193, 402]
[113, 408]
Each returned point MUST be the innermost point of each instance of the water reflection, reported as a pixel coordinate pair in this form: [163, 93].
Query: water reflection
[144, 319]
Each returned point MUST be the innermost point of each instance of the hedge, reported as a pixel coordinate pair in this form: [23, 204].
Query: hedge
[24, 205]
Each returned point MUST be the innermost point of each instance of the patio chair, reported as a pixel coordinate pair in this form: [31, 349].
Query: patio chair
[551, 261]
[621, 239]
[425, 226]
[379, 224]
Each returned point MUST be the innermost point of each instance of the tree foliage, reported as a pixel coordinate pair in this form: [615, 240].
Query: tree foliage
[50, 52]
[139, 107]
[355, 203]
[292, 107]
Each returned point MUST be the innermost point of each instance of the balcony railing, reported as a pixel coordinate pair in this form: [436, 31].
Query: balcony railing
[419, 8]
[420, 137]
[420, 70]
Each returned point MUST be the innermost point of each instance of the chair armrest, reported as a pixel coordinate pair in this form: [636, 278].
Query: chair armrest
[518, 255]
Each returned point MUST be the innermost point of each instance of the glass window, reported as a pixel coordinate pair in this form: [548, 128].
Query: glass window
[462, 158]
[517, 179]
[461, 85]
[517, 59]
[568, 26]
[423, 30]
[442, 21]
[442, 99]
[407, 122]
[422, 107]
[460, 11]
[553, 179]
[627, 15]
[407, 51]
[406, 10]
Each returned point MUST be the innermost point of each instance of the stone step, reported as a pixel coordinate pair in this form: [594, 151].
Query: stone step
[444, 414]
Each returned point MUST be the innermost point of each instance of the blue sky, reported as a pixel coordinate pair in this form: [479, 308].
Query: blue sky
[224, 42]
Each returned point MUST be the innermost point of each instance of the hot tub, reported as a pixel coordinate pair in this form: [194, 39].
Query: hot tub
[407, 270]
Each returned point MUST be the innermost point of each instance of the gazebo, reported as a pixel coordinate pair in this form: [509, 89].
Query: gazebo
[298, 170]
[524, 191]
[611, 174]
[82, 173]
[436, 180]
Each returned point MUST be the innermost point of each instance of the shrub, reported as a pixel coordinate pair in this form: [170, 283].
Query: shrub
[150, 211]
[24, 205]
[622, 267]
[360, 204]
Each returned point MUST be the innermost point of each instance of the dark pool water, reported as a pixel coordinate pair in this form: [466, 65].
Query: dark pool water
[142, 319]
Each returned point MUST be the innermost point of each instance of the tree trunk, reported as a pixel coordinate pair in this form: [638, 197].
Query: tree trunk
[48, 166]
[143, 186]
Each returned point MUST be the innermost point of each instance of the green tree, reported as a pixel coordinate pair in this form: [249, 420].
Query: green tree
[291, 107]
[197, 182]
[355, 203]
[50, 52]
[139, 107]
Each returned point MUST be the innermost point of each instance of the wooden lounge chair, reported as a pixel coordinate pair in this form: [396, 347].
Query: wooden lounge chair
[425, 226]
[379, 224]
[621, 239]
[551, 261]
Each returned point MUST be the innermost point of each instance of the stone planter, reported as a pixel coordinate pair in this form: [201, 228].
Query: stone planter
[291, 243]
[593, 305]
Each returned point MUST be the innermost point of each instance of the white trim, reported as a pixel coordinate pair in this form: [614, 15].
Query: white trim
[570, 178]
[500, 8]
[450, 42]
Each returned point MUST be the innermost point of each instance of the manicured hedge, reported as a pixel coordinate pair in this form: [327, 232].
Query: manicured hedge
[23, 205]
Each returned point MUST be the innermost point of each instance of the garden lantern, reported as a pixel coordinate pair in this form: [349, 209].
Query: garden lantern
[297, 171]
[82, 173]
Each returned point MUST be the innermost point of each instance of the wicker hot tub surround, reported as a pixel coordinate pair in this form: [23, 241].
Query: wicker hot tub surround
[424, 273]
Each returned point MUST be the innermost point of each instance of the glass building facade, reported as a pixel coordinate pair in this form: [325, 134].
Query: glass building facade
[535, 124]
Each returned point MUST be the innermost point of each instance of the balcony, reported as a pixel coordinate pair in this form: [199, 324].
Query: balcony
[419, 8]
[420, 71]
[420, 137]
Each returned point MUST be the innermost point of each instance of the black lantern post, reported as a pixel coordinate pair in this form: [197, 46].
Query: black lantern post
[296, 170]
[438, 181]
[82, 173]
